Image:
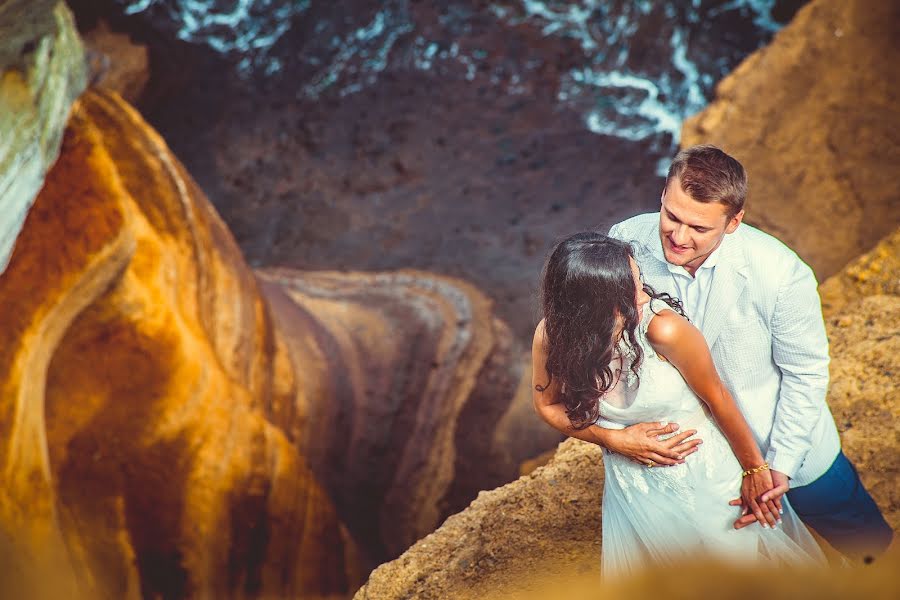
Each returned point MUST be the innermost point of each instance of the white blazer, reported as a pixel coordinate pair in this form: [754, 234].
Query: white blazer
[764, 327]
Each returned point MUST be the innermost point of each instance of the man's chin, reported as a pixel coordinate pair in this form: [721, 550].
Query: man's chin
[679, 260]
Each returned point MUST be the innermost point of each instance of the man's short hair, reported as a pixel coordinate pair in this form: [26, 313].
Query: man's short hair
[707, 174]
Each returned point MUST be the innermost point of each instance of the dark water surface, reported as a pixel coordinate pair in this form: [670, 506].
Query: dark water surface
[462, 137]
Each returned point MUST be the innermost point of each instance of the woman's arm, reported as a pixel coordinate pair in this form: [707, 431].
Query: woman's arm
[685, 348]
[638, 442]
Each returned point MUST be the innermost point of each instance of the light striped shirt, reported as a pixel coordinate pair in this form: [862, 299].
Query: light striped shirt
[693, 290]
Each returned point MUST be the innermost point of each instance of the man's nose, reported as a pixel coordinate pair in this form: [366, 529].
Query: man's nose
[680, 235]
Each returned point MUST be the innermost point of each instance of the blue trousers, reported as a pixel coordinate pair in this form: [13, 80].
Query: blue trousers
[840, 509]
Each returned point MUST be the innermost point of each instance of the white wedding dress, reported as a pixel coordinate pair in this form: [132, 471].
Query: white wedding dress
[670, 514]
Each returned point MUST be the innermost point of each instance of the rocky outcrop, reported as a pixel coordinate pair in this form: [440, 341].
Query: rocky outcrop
[178, 425]
[547, 523]
[547, 526]
[862, 309]
[407, 396]
[139, 371]
[41, 73]
[813, 117]
[116, 62]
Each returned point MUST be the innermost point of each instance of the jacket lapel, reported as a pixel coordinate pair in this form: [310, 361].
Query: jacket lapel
[729, 280]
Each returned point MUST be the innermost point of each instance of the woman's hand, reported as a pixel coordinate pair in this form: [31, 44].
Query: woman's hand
[641, 443]
[753, 487]
[782, 485]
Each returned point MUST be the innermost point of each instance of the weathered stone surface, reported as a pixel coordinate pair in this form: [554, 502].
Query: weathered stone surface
[41, 73]
[862, 309]
[876, 273]
[813, 117]
[547, 525]
[117, 63]
[408, 396]
[139, 371]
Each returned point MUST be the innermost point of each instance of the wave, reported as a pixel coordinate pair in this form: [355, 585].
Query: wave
[639, 67]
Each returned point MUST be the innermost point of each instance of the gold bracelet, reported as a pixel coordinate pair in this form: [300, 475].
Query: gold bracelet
[762, 467]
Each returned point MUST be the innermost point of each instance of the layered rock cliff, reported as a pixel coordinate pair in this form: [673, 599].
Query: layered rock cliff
[139, 371]
[409, 396]
[813, 118]
[176, 426]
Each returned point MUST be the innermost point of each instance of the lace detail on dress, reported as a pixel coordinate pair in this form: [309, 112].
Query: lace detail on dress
[631, 476]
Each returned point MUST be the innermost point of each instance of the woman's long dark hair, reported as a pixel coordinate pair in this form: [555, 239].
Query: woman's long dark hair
[587, 284]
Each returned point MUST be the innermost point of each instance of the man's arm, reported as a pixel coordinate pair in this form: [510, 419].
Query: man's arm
[639, 442]
[800, 350]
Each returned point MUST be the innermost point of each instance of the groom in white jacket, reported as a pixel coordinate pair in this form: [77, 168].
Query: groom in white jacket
[758, 306]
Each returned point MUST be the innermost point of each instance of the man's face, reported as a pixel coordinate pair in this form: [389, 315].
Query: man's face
[690, 230]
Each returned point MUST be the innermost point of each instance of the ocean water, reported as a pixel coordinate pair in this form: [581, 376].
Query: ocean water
[637, 68]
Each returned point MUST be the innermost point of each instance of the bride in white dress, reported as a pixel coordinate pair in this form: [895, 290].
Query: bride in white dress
[607, 354]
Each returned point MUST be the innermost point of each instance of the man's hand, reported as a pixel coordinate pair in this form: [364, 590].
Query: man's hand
[641, 443]
[767, 504]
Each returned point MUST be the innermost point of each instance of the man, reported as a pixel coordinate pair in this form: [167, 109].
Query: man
[758, 307]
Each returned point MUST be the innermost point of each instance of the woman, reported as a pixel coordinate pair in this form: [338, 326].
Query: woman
[609, 352]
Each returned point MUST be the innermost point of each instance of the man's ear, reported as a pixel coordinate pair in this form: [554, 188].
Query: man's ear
[734, 222]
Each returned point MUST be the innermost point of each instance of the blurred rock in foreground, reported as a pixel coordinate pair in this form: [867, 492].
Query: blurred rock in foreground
[813, 117]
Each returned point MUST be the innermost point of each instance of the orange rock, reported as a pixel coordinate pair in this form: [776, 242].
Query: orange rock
[162, 401]
[138, 363]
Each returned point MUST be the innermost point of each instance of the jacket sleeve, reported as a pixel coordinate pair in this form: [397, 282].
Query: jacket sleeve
[800, 350]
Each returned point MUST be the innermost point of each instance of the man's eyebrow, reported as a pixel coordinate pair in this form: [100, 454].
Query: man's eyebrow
[675, 218]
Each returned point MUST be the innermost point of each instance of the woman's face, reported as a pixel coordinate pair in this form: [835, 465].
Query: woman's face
[641, 297]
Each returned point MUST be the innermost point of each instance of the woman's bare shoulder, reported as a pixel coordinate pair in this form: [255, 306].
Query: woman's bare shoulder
[666, 327]
[539, 333]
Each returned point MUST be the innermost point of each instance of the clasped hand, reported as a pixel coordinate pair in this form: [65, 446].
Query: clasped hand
[760, 499]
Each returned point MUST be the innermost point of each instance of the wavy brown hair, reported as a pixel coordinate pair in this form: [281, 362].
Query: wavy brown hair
[587, 284]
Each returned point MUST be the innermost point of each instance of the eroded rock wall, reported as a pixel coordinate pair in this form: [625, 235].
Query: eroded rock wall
[177, 424]
[408, 396]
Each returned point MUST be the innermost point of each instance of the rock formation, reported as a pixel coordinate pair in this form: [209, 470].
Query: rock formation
[813, 117]
[161, 416]
[41, 74]
[547, 525]
[140, 374]
[862, 309]
[407, 396]
[116, 62]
